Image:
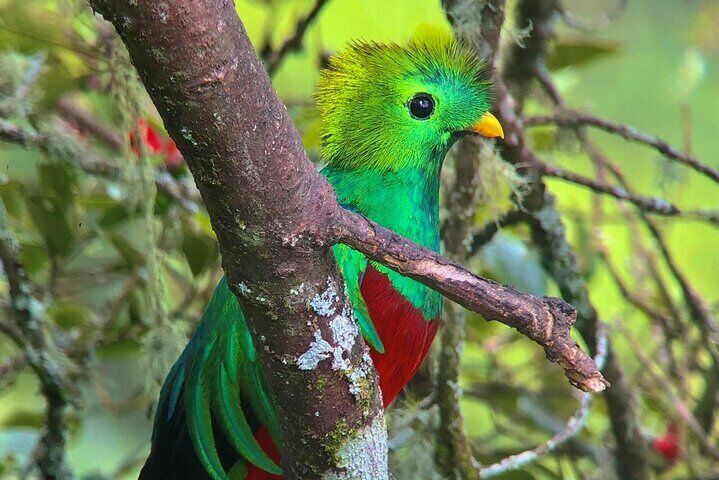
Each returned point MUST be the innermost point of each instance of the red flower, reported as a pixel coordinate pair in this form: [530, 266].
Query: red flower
[668, 445]
[173, 157]
[153, 140]
[155, 143]
[150, 138]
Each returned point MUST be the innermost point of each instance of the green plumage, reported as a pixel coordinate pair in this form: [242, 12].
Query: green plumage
[382, 162]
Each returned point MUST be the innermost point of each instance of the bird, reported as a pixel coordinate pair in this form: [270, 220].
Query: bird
[389, 112]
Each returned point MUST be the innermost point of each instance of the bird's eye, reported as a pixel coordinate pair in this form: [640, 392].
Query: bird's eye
[421, 106]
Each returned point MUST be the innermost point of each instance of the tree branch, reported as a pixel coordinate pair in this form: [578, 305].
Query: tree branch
[545, 320]
[273, 58]
[484, 234]
[646, 204]
[573, 426]
[454, 456]
[269, 208]
[549, 235]
[28, 333]
[275, 219]
[573, 118]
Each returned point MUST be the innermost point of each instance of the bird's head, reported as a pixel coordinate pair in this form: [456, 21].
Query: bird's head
[387, 106]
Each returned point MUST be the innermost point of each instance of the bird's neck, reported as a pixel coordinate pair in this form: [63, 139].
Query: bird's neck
[406, 200]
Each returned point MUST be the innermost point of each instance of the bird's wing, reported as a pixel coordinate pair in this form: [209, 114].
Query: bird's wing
[352, 266]
[216, 383]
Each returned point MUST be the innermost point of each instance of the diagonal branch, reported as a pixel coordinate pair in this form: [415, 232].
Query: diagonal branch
[573, 426]
[274, 57]
[645, 204]
[545, 320]
[573, 118]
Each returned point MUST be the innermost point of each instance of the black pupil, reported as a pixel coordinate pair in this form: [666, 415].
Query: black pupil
[421, 106]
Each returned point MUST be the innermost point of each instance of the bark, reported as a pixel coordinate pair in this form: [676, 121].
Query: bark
[28, 331]
[275, 219]
[263, 197]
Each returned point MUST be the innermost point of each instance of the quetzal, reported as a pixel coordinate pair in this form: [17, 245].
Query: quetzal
[388, 114]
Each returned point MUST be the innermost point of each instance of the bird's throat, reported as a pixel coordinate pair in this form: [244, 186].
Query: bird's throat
[406, 201]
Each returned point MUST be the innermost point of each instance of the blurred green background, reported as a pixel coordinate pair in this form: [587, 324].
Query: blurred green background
[85, 238]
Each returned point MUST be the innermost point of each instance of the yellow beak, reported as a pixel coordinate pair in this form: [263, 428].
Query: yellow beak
[488, 126]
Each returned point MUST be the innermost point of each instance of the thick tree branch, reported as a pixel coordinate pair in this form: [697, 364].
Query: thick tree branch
[275, 218]
[267, 205]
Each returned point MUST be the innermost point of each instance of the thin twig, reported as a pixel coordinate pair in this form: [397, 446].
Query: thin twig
[70, 111]
[685, 413]
[274, 58]
[574, 425]
[646, 204]
[640, 303]
[484, 234]
[573, 118]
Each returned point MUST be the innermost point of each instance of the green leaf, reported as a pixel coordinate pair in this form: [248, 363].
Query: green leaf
[200, 250]
[51, 220]
[33, 257]
[508, 260]
[60, 180]
[68, 315]
[580, 51]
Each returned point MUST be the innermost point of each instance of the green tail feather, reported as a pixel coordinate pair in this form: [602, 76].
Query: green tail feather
[226, 403]
[219, 373]
[199, 421]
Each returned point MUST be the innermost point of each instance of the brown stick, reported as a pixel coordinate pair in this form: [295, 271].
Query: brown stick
[646, 204]
[545, 320]
[574, 118]
[274, 58]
